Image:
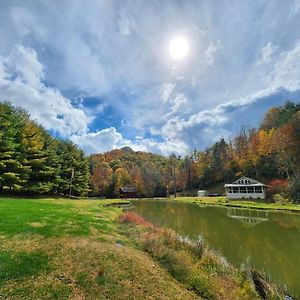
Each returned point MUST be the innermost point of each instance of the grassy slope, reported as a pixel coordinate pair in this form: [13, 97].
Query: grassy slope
[62, 249]
[223, 201]
[75, 249]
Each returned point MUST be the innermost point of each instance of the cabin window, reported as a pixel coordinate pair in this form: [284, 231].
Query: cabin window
[243, 189]
[258, 189]
[235, 190]
[250, 189]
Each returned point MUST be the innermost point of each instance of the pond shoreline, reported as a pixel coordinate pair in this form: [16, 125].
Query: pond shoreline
[195, 266]
[224, 202]
[245, 237]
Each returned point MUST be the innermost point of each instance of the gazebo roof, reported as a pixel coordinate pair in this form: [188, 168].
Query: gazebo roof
[244, 181]
[128, 189]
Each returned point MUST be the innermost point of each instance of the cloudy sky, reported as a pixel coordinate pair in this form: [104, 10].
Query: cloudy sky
[99, 72]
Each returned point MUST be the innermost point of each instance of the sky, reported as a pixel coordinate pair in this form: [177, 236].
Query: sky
[100, 73]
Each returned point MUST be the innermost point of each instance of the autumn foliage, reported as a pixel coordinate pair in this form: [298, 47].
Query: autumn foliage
[268, 154]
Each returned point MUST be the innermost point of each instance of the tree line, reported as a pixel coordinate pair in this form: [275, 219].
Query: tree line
[32, 161]
[270, 154]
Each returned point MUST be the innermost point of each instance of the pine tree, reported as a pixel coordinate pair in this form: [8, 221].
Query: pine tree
[74, 170]
[39, 154]
[12, 173]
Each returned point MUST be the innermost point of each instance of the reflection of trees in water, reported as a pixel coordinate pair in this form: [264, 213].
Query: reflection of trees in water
[271, 245]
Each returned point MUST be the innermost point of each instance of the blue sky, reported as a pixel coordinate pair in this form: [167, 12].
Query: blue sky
[99, 72]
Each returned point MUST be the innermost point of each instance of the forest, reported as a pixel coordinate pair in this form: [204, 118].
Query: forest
[270, 154]
[34, 162]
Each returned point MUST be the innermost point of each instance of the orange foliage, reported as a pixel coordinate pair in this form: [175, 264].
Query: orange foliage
[130, 217]
[277, 186]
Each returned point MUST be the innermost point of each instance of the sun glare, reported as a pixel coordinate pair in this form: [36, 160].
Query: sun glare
[178, 48]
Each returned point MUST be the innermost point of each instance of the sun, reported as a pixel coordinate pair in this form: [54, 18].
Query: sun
[178, 48]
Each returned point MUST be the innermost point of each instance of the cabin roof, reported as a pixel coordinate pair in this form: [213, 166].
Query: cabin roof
[128, 189]
[245, 181]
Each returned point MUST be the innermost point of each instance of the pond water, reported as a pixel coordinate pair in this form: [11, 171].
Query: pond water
[268, 241]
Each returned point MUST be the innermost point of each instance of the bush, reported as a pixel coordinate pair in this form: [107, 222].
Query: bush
[133, 218]
[280, 199]
[178, 263]
[277, 186]
[214, 263]
[200, 247]
[200, 284]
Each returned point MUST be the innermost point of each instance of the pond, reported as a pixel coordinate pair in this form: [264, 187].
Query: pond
[268, 241]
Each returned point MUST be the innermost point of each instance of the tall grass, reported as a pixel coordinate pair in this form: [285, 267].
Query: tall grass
[205, 272]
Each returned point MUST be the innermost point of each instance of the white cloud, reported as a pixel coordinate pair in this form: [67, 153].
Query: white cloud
[125, 25]
[118, 55]
[295, 8]
[100, 141]
[176, 104]
[21, 81]
[180, 135]
[109, 138]
[266, 53]
[210, 52]
[286, 72]
[166, 91]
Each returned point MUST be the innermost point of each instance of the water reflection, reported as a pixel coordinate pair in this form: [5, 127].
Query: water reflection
[269, 241]
[249, 217]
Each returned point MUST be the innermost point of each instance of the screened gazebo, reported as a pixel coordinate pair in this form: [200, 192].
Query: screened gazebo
[245, 188]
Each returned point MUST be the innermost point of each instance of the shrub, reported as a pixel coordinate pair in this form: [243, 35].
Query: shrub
[214, 263]
[277, 186]
[199, 247]
[200, 284]
[133, 218]
[280, 199]
[153, 243]
[178, 263]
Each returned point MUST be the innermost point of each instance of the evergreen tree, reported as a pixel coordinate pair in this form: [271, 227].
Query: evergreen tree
[35, 157]
[13, 173]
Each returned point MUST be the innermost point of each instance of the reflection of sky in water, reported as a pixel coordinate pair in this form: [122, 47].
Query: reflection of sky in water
[268, 241]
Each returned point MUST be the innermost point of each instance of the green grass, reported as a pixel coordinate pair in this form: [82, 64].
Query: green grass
[75, 249]
[19, 265]
[53, 217]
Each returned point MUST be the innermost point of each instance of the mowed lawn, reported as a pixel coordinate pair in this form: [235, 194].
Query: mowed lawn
[73, 249]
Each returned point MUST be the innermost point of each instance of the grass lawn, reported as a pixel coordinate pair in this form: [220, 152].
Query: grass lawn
[77, 249]
[223, 201]
[72, 249]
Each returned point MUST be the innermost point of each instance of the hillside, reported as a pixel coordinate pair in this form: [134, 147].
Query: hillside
[147, 172]
[270, 154]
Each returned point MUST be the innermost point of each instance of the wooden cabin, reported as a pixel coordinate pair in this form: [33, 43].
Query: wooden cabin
[128, 192]
[245, 188]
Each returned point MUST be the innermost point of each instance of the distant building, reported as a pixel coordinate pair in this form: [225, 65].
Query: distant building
[202, 193]
[128, 192]
[245, 188]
